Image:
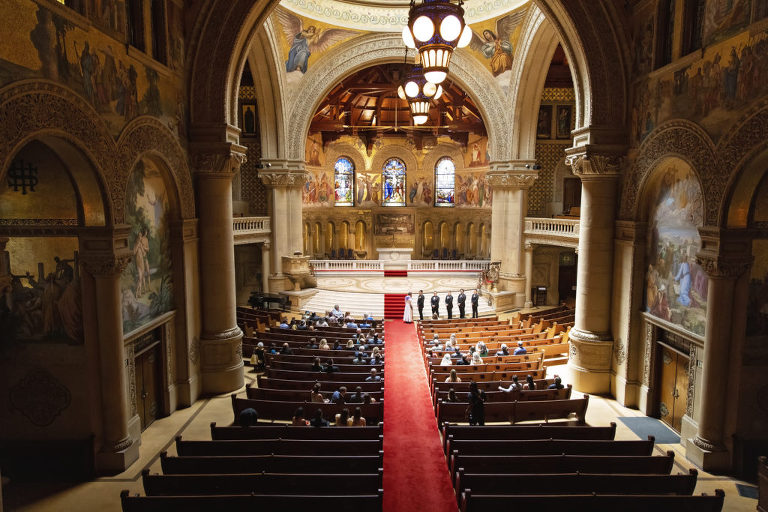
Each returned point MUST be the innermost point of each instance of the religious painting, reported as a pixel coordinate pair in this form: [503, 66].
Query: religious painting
[477, 152]
[146, 284]
[40, 285]
[304, 40]
[313, 150]
[493, 42]
[318, 189]
[723, 18]
[420, 193]
[393, 180]
[248, 118]
[676, 286]
[344, 182]
[730, 77]
[368, 189]
[642, 58]
[472, 191]
[391, 223]
[445, 182]
[564, 121]
[544, 123]
[175, 35]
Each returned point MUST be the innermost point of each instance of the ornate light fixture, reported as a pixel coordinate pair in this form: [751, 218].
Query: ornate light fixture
[436, 28]
[419, 92]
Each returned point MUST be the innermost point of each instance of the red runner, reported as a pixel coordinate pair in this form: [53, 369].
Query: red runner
[415, 472]
[394, 305]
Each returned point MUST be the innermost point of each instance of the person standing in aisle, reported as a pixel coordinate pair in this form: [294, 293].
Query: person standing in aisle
[461, 300]
[435, 305]
[420, 303]
[475, 300]
[449, 304]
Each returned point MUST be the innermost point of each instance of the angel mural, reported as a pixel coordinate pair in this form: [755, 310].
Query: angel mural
[497, 46]
[305, 41]
[368, 189]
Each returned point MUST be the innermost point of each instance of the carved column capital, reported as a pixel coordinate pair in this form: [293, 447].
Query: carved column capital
[217, 160]
[265, 246]
[723, 268]
[512, 180]
[105, 265]
[588, 162]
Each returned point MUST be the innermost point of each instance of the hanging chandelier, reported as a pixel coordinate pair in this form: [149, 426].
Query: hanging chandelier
[419, 92]
[436, 28]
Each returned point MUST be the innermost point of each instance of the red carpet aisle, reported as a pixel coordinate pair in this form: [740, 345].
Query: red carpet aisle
[394, 305]
[415, 471]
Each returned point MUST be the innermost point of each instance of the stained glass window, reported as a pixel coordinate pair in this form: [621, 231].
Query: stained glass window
[445, 172]
[344, 180]
[394, 183]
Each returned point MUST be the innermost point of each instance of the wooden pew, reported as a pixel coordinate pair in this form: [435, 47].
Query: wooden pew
[570, 483]
[313, 376]
[325, 385]
[490, 385]
[550, 447]
[343, 368]
[270, 464]
[273, 503]
[519, 432]
[293, 395]
[278, 447]
[372, 413]
[515, 412]
[594, 503]
[275, 431]
[261, 483]
[511, 396]
[485, 368]
[536, 357]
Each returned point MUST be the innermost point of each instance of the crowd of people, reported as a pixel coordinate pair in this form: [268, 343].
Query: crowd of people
[333, 318]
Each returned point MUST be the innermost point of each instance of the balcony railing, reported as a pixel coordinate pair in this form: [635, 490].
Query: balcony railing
[251, 229]
[553, 231]
[414, 265]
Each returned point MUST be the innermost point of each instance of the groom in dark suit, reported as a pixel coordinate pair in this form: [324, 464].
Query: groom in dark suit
[435, 305]
[420, 304]
[461, 300]
[449, 305]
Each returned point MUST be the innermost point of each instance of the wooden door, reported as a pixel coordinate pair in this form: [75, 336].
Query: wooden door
[148, 388]
[674, 388]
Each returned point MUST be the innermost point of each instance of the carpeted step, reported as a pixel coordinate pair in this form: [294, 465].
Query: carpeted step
[395, 273]
[394, 303]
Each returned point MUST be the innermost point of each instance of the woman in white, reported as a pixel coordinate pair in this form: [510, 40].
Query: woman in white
[453, 339]
[446, 360]
[408, 313]
[476, 359]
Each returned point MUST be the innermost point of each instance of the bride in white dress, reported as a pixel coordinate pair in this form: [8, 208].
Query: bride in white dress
[408, 313]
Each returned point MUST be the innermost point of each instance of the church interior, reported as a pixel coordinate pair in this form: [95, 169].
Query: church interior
[581, 186]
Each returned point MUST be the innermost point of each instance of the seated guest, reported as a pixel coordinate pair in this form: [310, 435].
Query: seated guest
[366, 322]
[284, 323]
[520, 350]
[348, 317]
[452, 396]
[529, 383]
[464, 361]
[376, 359]
[446, 360]
[298, 419]
[248, 417]
[272, 349]
[324, 345]
[351, 324]
[337, 346]
[316, 366]
[452, 339]
[376, 340]
[476, 359]
[356, 397]
[504, 351]
[368, 399]
[316, 396]
[448, 346]
[318, 420]
[342, 418]
[514, 386]
[481, 348]
[321, 323]
[286, 349]
[456, 353]
[435, 340]
[357, 419]
[453, 377]
[558, 384]
[311, 328]
[376, 351]
[339, 396]
[336, 312]
[360, 358]
[330, 367]
[302, 325]
[374, 376]
[350, 344]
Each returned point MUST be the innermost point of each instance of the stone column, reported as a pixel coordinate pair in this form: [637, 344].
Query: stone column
[221, 362]
[590, 337]
[265, 255]
[725, 260]
[284, 181]
[105, 258]
[528, 274]
[510, 183]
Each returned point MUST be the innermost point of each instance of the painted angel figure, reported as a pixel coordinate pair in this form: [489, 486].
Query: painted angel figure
[305, 41]
[496, 45]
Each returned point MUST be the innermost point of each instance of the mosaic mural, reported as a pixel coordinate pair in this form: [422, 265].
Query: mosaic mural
[676, 286]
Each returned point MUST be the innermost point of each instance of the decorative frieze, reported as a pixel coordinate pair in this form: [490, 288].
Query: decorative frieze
[591, 165]
[105, 265]
[511, 180]
[223, 161]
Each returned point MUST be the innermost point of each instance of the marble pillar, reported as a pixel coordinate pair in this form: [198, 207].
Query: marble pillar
[284, 181]
[265, 256]
[221, 362]
[104, 258]
[510, 206]
[528, 274]
[590, 338]
[725, 259]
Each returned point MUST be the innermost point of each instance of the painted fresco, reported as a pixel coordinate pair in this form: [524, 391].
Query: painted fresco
[473, 191]
[723, 18]
[109, 16]
[36, 42]
[314, 153]
[709, 91]
[146, 284]
[421, 192]
[318, 189]
[304, 40]
[43, 300]
[642, 52]
[476, 154]
[368, 189]
[494, 41]
[676, 286]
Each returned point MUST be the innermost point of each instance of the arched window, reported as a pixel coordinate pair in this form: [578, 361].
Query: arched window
[445, 173]
[344, 182]
[393, 177]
